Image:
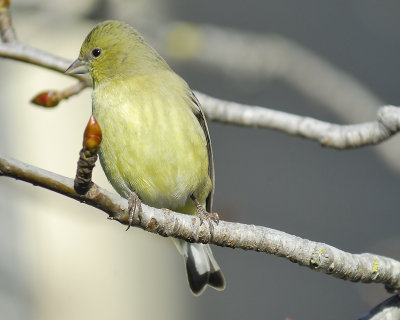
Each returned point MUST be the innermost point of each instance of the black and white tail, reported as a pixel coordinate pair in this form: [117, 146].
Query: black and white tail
[201, 267]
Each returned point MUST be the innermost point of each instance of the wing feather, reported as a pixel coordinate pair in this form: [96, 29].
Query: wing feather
[198, 111]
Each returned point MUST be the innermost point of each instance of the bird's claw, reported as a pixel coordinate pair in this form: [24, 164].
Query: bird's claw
[203, 215]
[134, 206]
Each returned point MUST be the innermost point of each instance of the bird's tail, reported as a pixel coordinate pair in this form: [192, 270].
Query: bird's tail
[201, 267]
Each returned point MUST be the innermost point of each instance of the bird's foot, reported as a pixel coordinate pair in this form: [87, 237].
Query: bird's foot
[210, 217]
[134, 206]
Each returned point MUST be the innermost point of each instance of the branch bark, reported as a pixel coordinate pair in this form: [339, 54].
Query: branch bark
[327, 134]
[317, 256]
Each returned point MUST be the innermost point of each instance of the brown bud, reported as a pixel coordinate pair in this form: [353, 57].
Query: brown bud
[92, 136]
[4, 4]
[47, 99]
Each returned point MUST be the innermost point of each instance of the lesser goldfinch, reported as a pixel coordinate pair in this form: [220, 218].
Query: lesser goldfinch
[155, 136]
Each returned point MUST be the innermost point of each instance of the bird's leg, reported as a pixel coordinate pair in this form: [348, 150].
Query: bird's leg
[203, 215]
[134, 206]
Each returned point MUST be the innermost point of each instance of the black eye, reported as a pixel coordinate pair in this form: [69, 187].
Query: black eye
[96, 52]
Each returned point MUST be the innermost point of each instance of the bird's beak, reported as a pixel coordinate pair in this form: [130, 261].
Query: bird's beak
[78, 67]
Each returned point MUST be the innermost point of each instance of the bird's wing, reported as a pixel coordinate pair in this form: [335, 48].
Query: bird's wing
[198, 111]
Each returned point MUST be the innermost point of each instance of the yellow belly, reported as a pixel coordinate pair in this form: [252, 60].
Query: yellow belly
[152, 144]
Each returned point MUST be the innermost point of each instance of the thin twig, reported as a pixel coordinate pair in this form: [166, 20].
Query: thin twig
[52, 98]
[26, 53]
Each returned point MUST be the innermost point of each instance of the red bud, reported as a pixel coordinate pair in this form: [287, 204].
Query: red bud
[92, 136]
[47, 99]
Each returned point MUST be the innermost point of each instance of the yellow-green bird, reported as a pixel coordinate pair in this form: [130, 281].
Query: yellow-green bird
[155, 137]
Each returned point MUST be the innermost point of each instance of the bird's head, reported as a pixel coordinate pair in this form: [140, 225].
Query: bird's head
[114, 49]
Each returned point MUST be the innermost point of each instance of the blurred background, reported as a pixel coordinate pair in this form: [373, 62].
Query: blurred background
[339, 62]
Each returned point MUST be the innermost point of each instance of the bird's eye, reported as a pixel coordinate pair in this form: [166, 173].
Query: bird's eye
[96, 52]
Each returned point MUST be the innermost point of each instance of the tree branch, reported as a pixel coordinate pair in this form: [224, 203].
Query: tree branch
[25, 53]
[327, 134]
[317, 256]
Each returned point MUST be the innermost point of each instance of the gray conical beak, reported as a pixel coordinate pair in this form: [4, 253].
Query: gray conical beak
[78, 67]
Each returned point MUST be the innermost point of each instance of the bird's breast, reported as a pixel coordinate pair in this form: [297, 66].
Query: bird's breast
[152, 143]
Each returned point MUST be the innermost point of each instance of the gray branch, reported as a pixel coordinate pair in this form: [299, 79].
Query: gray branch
[327, 134]
[25, 53]
[317, 256]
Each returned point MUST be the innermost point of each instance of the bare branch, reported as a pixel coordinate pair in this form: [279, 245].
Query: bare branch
[26, 53]
[314, 255]
[52, 98]
[328, 134]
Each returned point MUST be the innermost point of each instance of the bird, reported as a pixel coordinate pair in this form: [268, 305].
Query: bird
[155, 139]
